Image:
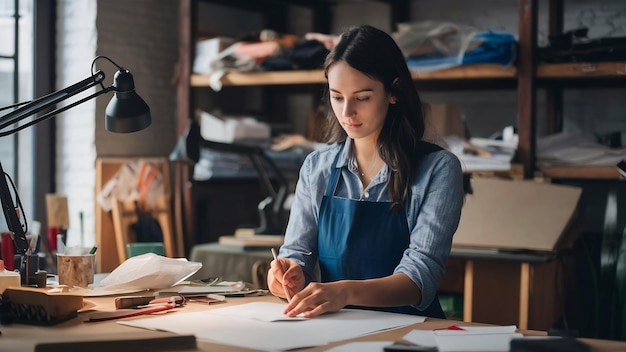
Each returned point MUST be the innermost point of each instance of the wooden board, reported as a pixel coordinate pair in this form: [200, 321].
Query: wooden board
[107, 257]
[516, 215]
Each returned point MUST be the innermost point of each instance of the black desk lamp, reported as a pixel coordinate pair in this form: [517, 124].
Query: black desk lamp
[125, 113]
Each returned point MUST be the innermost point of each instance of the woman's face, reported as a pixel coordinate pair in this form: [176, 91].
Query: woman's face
[359, 102]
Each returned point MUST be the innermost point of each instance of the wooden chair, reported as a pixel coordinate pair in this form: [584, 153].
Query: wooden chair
[124, 215]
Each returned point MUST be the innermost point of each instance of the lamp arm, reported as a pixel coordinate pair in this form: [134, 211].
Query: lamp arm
[49, 100]
[55, 112]
[11, 214]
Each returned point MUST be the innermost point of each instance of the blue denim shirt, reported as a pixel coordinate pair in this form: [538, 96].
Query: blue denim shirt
[433, 211]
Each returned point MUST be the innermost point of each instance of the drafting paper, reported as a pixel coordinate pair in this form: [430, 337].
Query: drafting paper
[247, 326]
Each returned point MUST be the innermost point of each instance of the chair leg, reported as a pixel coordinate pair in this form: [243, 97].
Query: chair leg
[259, 273]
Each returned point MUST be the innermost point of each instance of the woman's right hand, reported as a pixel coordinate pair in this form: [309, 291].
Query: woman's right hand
[285, 278]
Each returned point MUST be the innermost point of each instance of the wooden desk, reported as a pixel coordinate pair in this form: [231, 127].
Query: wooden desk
[23, 338]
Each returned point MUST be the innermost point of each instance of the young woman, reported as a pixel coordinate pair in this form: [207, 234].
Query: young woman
[377, 208]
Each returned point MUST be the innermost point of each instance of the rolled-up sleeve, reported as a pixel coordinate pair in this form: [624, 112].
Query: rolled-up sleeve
[433, 215]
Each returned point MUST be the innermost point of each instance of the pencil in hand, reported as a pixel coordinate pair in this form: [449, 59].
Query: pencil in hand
[287, 295]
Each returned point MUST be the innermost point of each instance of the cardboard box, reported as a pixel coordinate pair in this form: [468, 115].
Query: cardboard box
[444, 119]
[34, 306]
[516, 215]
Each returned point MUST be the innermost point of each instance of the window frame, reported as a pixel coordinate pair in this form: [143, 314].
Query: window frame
[44, 74]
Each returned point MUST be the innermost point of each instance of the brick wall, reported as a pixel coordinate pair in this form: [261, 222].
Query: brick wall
[140, 36]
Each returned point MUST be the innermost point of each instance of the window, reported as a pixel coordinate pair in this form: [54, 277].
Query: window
[16, 85]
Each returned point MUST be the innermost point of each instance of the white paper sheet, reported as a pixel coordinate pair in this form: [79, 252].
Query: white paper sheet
[243, 326]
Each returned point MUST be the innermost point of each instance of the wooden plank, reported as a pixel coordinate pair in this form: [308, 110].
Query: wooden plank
[582, 70]
[526, 92]
[477, 71]
[554, 95]
[582, 172]
[186, 52]
[185, 56]
[234, 78]
[524, 295]
[468, 291]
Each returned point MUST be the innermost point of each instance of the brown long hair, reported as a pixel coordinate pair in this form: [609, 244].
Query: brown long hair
[375, 53]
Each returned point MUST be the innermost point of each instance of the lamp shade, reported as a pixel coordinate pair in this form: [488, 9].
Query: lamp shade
[126, 112]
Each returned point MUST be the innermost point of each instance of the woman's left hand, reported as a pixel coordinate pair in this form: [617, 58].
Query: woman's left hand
[318, 298]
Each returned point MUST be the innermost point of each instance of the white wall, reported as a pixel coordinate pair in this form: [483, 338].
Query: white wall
[75, 150]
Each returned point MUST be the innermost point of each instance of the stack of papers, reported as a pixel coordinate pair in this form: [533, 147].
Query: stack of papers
[573, 149]
[466, 338]
[494, 155]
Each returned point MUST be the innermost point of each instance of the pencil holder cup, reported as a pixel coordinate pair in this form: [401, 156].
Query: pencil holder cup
[76, 270]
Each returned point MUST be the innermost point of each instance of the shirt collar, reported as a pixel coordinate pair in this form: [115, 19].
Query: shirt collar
[347, 159]
[346, 155]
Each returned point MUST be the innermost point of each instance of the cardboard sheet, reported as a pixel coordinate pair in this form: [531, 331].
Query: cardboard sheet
[516, 215]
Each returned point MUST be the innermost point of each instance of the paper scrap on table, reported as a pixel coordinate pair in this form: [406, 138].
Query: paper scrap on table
[466, 339]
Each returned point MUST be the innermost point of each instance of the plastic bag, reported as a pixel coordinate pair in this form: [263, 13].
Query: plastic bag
[149, 272]
[433, 45]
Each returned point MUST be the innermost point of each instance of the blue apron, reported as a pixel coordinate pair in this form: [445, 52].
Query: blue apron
[360, 240]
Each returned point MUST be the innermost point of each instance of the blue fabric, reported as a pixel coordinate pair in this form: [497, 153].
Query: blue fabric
[498, 48]
[432, 212]
[495, 47]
